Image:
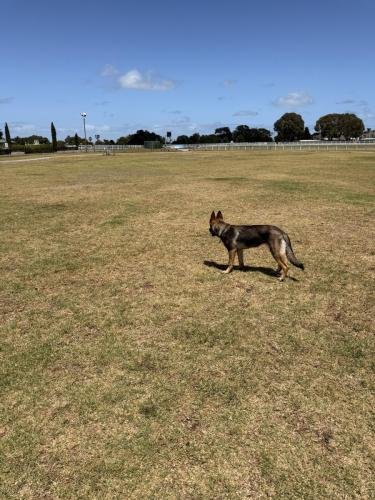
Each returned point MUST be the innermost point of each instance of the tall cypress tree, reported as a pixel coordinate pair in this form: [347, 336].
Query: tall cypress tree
[54, 138]
[7, 137]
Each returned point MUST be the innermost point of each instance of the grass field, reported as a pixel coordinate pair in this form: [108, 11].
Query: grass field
[132, 368]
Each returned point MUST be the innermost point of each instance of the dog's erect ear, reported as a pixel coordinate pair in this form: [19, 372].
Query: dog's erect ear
[219, 215]
[212, 216]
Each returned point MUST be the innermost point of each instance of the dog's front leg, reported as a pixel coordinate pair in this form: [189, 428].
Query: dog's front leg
[240, 258]
[232, 255]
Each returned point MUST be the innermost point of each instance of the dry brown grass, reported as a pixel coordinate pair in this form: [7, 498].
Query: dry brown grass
[131, 368]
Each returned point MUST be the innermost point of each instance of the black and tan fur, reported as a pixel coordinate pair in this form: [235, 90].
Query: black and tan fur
[237, 238]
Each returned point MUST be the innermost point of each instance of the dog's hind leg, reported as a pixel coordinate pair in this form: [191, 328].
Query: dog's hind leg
[232, 256]
[282, 269]
[283, 258]
[274, 255]
[277, 249]
[240, 258]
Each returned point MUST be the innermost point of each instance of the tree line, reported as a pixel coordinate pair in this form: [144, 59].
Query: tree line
[288, 128]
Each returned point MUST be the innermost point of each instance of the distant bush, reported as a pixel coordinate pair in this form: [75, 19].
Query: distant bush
[40, 148]
[37, 148]
[17, 147]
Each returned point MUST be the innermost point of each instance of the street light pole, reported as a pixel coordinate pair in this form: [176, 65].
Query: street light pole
[84, 128]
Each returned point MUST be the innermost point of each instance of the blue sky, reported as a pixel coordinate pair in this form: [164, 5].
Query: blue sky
[185, 67]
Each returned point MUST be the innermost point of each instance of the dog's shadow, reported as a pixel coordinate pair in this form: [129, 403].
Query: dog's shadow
[246, 269]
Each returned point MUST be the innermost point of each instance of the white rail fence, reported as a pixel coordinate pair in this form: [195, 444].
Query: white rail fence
[271, 146]
[109, 147]
[294, 146]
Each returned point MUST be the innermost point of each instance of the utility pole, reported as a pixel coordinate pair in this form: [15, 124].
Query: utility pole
[84, 128]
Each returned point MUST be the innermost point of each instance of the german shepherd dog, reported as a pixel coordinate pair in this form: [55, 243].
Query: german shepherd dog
[237, 238]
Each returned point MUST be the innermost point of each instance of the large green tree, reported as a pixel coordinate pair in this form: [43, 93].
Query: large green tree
[123, 140]
[223, 134]
[352, 126]
[195, 138]
[328, 126]
[243, 133]
[73, 140]
[338, 125]
[209, 139]
[290, 127]
[141, 136]
[54, 137]
[182, 139]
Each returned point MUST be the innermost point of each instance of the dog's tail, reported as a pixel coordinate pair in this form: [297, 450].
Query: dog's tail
[290, 254]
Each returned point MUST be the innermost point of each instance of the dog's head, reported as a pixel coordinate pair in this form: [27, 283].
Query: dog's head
[215, 223]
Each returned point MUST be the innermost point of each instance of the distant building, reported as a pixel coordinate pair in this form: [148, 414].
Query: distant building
[4, 146]
[368, 136]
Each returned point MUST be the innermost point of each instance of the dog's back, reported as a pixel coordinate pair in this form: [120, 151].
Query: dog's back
[243, 236]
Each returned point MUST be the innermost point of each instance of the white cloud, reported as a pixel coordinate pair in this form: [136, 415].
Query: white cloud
[346, 101]
[109, 70]
[181, 123]
[64, 130]
[134, 79]
[97, 128]
[20, 127]
[361, 103]
[245, 112]
[294, 100]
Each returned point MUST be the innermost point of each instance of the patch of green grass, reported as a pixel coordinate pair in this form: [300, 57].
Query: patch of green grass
[357, 198]
[25, 365]
[129, 210]
[287, 186]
